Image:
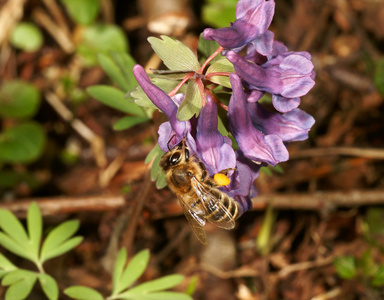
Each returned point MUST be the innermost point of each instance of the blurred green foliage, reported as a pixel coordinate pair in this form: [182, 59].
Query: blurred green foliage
[27, 37]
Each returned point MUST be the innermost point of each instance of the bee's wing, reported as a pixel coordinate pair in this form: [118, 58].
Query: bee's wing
[214, 209]
[194, 221]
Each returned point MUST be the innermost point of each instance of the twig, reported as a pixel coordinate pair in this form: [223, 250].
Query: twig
[62, 205]
[329, 295]
[96, 142]
[319, 200]
[56, 32]
[229, 274]
[308, 201]
[142, 196]
[107, 11]
[57, 14]
[348, 151]
[110, 171]
[175, 241]
[305, 266]
[10, 14]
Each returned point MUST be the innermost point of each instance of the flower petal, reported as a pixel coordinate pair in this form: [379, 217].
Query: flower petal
[291, 126]
[283, 104]
[290, 76]
[213, 149]
[253, 143]
[253, 20]
[167, 106]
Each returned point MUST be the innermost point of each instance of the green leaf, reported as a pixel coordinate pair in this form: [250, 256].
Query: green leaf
[379, 75]
[115, 98]
[18, 99]
[58, 240]
[9, 178]
[101, 39]
[128, 122]
[13, 227]
[21, 283]
[119, 267]
[49, 285]
[156, 171]
[161, 181]
[64, 247]
[205, 48]
[35, 228]
[5, 264]
[134, 270]
[192, 285]
[378, 279]
[156, 151]
[174, 54]
[113, 71]
[191, 104]
[159, 284]
[164, 84]
[219, 13]
[83, 293]
[373, 218]
[159, 296]
[26, 36]
[345, 266]
[126, 63]
[13, 246]
[82, 11]
[22, 143]
[222, 65]
[366, 264]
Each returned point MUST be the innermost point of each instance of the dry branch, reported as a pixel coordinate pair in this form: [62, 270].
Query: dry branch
[60, 205]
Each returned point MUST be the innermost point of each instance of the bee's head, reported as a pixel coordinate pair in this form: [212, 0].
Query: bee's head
[175, 156]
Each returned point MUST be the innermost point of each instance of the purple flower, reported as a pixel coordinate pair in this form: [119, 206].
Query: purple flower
[213, 149]
[290, 126]
[242, 187]
[287, 77]
[253, 18]
[252, 142]
[167, 105]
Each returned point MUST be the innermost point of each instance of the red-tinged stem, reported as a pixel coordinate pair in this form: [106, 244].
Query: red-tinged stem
[202, 92]
[217, 100]
[217, 74]
[209, 59]
[176, 89]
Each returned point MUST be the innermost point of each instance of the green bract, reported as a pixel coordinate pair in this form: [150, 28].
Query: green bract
[175, 55]
[191, 104]
[222, 65]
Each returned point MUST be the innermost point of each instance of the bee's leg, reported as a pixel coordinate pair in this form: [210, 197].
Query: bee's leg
[221, 178]
[225, 171]
[204, 174]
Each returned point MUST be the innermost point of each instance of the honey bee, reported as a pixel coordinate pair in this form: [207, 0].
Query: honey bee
[197, 192]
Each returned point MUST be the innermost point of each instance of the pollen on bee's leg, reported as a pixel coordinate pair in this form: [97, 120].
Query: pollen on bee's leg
[221, 179]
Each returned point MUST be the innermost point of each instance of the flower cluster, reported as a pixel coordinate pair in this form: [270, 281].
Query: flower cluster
[251, 135]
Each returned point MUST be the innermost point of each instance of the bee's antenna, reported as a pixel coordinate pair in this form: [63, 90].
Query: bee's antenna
[185, 148]
[170, 141]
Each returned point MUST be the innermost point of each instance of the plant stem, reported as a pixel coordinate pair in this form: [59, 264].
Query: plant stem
[209, 59]
[174, 91]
